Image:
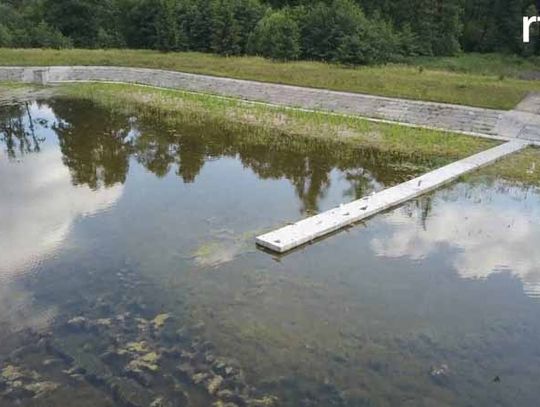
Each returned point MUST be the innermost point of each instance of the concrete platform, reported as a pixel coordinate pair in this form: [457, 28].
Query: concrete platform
[307, 230]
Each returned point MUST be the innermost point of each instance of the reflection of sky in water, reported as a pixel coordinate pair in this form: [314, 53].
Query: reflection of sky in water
[39, 206]
[491, 229]
[46, 193]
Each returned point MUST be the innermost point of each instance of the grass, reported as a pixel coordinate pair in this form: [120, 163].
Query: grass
[421, 79]
[175, 106]
[10, 86]
[501, 65]
[522, 167]
[172, 108]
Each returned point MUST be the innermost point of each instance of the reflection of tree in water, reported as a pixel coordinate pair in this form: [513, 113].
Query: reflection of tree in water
[96, 145]
[308, 170]
[361, 183]
[188, 148]
[305, 163]
[17, 131]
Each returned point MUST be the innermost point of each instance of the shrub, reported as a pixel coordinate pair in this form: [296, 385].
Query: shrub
[44, 36]
[340, 32]
[276, 36]
[5, 36]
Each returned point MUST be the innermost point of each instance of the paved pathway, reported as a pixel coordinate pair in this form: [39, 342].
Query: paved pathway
[477, 121]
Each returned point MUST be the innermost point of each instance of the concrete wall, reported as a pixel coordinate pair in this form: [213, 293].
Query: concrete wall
[437, 115]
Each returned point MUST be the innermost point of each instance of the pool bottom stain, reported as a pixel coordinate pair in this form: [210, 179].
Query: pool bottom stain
[122, 353]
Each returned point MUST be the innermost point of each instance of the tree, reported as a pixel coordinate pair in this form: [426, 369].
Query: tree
[276, 36]
[449, 27]
[45, 36]
[340, 32]
[76, 19]
[247, 13]
[408, 41]
[169, 35]
[347, 31]
[5, 36]
[109, 39]
[197, 21]
[225, 28]
[139, 28]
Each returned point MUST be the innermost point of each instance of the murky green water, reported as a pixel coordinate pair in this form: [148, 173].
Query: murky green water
[129, 277]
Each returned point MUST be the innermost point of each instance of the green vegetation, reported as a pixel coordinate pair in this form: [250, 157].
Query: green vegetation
[344, 31]
[288, 129]
[522, 167]
[501, 65]
[276, 36]
[173, 106]
[390, 80]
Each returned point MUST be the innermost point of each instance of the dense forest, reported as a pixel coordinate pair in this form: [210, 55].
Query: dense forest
[345, 31]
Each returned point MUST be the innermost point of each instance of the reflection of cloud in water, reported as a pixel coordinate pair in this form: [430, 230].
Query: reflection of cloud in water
[38, 204]
[39, 209]
[499, 235]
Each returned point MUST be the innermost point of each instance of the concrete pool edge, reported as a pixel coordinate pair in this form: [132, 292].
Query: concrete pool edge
[467, 120]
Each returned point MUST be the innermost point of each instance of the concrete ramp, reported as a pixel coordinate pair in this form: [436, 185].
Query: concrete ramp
[307, 230]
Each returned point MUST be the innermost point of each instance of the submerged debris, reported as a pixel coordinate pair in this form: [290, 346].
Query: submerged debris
[159, 321]
[440, 373]
[132, 356]
[17, 383]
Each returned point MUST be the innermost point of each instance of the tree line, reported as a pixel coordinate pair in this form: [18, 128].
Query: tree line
[344, 31]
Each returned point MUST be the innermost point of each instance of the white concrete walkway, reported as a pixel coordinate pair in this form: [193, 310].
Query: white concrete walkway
[520, 126]
[307, 230]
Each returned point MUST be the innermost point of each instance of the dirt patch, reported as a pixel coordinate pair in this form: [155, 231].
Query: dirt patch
[530, 75]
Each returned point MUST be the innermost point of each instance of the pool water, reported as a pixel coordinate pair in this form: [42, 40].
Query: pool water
[129, 274]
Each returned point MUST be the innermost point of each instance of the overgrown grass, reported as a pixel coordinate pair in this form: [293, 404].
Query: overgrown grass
[502, 65]
[522, 167]
[5, 86]
[170, 106]
[423, 80]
